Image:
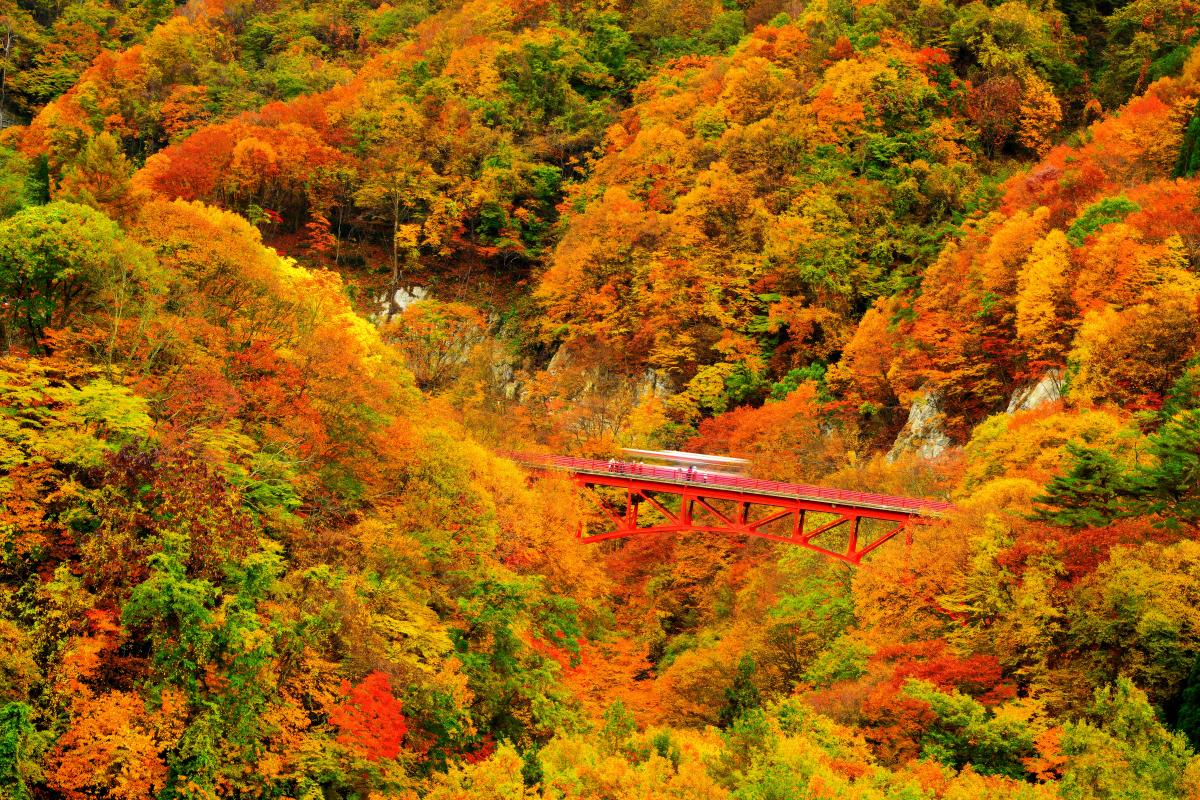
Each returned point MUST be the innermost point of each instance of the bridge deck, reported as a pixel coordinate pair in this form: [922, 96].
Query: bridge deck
[777, 489]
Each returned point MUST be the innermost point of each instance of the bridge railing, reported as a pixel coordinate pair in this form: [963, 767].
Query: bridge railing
[676, 475]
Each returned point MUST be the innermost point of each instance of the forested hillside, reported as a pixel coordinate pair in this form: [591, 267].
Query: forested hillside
[280, 278]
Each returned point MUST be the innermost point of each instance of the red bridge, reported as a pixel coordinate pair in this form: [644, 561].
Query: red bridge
[643, 499]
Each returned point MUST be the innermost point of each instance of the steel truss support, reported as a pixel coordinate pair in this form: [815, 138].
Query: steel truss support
[646, 508]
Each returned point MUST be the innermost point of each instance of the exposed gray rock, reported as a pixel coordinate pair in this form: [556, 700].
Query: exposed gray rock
[654, 383]
[504, 373]
[1047, 390]
[562, 359]
[924, 433]
[404, 297]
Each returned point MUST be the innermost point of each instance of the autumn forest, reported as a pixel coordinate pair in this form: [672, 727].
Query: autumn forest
[283, 281]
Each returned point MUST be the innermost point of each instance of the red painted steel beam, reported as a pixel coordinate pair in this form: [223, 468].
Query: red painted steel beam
[713, 491]
[629, 524]
[641, 483]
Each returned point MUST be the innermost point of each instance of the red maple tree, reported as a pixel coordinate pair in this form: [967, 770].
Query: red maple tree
[370, 719]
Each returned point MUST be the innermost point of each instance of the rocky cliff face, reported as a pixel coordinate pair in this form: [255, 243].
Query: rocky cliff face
[401, 299]
[924, 433]
[1035, 395]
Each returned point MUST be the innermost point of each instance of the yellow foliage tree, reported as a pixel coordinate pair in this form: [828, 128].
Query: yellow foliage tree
[1042, 296]
[1133, 355]
[1031, 444]
[1040, 115]
[1010, 246]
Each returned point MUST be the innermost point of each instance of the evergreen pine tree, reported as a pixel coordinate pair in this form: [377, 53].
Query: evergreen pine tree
[1094, 492]
[19, 746]
[1184, 395]
[1170, 487]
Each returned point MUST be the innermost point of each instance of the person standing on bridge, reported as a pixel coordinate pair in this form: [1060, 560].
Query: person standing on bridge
[691, 473]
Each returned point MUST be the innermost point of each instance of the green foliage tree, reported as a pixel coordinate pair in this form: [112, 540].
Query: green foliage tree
[1099, 214]
[59, 261]
[814, 608]
[965, 733]
[1121, 750]
[516, 697]
[20, 748]
[1095, 490]
[749, 738]
[176, 613]
[1169, 487]
[1098, 489]
[15, 177]
[619, 726]
[742, 696]
[1187, 719]
[1135, 616]
[1144, 40]
[1189, 152]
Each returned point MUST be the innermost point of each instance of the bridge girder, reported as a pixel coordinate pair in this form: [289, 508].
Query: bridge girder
[682, 501]
[702, 508]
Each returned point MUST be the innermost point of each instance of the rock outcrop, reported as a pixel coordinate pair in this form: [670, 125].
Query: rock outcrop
[400, 300]
[1031, 396]
[924, 433]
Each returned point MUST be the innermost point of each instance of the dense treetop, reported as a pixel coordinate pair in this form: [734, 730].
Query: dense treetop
[276, 275]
